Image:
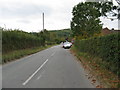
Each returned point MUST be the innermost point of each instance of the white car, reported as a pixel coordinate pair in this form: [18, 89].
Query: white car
[67, 44]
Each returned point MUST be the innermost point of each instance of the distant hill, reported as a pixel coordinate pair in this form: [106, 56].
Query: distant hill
[55, 36]
[64, 33]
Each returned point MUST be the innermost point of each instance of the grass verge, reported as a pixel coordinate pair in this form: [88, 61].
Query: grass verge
[95, 68]
[8, 57]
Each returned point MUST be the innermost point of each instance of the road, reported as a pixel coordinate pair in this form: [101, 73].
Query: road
[54, 67]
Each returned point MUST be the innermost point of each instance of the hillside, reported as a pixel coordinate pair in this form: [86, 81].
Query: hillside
[62, 34]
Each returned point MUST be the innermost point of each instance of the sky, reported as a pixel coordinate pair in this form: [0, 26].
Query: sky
[26, 15]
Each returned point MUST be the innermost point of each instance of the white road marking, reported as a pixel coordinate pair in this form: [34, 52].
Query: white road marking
[34, 73]
[40, 75]
[53, 54]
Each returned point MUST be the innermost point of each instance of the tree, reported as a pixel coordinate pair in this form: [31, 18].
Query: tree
[41, 35]
[45, 35]
[85, 21]
[118, 1]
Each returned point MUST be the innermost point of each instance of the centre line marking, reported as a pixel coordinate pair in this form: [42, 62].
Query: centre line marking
[34, 73]
[39, 77]
[53, 54]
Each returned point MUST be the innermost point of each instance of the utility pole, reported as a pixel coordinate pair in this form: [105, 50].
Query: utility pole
[5, 26]
[43, 21]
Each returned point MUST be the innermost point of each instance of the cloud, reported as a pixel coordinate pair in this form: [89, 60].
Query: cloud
[21, 10]
[27, 14]
[24, 21]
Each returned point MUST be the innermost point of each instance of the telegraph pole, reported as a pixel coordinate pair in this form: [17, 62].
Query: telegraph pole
[43, 21]
[5, 26]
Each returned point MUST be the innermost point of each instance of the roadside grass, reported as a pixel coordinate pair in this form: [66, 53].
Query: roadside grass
[96, 67]
[8, 57]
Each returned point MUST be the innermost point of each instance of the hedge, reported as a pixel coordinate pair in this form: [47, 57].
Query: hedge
[17, 40]
[106, 47]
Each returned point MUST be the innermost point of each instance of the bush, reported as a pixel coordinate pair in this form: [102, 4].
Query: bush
[105, 47]
[17, 40]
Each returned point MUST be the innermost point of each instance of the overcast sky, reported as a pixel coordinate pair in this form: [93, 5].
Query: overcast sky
[27, 14]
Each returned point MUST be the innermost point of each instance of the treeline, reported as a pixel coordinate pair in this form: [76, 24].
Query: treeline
[54, 36]
[61, 35]
[104, 47]
[89, 43]
[18, 39]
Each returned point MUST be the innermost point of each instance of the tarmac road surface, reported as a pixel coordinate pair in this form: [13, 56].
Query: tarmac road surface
[54, 67]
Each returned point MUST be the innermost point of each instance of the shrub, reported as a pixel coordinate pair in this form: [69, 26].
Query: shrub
[105, 47]
[16, 40]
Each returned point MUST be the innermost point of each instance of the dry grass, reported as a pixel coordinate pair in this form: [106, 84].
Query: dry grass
[11, 56]
[96, 72]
